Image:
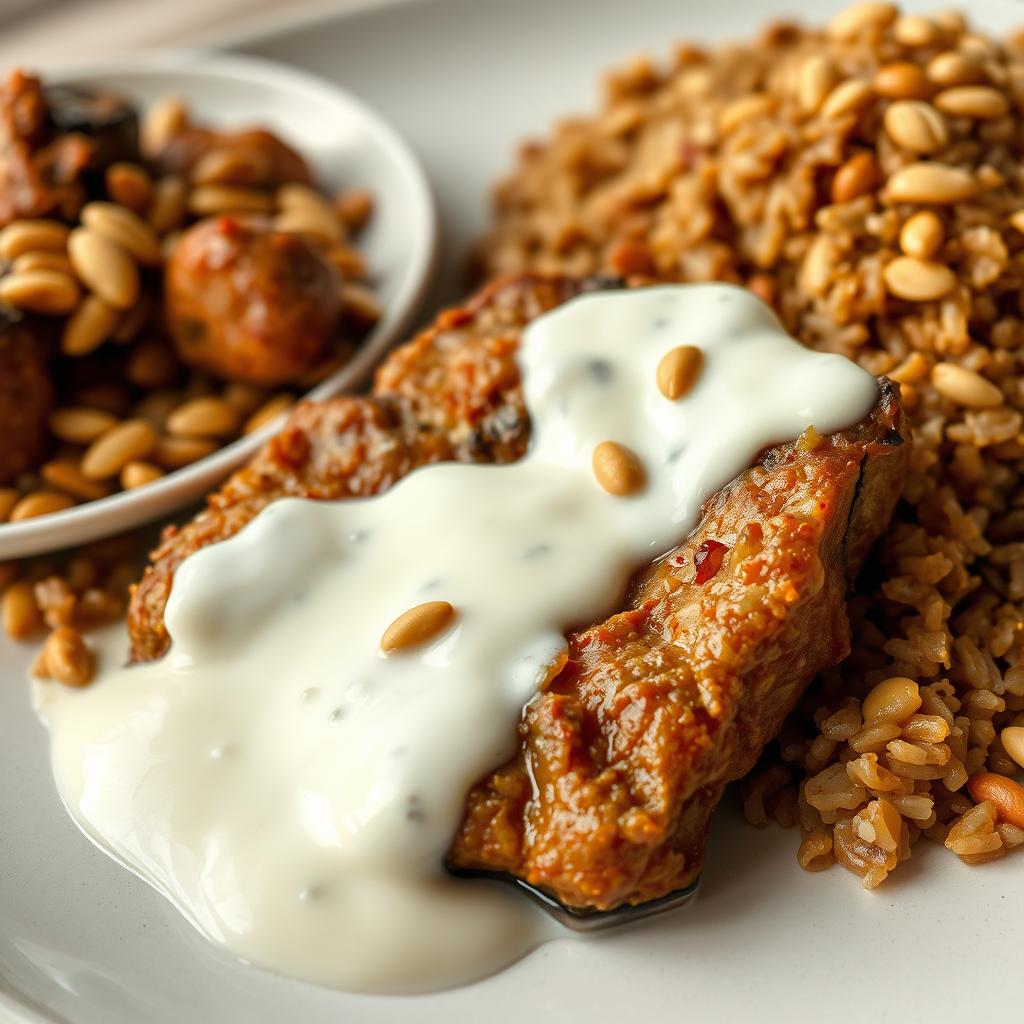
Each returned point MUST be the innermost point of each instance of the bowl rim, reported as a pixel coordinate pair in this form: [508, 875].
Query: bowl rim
[127, 510]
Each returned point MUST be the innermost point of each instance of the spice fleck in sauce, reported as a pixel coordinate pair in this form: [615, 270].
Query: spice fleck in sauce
[291, 785]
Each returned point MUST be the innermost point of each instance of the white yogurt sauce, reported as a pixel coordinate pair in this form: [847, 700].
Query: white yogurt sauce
[293, 790]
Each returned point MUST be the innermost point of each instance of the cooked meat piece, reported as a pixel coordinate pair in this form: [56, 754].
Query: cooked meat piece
[249, 303]
[26, 397]
[269, 160]
[627, 751]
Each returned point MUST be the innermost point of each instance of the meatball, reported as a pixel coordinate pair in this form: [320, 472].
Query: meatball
[26, 398]
[249, 303]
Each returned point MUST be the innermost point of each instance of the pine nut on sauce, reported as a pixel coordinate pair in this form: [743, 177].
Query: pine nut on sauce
[417, 626]
[678, 371]
[617, 469]
[66, 657]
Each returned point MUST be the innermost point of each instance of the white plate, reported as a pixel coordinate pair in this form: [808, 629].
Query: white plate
[465, 80]
[348, 144]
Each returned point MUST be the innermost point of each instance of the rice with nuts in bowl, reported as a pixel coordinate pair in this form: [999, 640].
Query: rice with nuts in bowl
[866, 181]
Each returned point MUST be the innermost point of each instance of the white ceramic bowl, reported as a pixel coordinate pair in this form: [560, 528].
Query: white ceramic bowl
[347, 144]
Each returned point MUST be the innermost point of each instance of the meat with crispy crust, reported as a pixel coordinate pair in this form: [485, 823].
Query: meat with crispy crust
[627, 750]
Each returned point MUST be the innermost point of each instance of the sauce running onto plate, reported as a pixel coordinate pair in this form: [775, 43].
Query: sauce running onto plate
[341, 674]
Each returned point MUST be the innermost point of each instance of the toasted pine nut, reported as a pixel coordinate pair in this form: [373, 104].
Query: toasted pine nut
[1012, 739]
[744, 109]
[89, 326]
[816, 79]
[894, 699]
[266, 413]
[981, 102]
[231, 165]
[105, 267]
[417, 626]
[204, 416]
[966, 387]
[678, 371]
[347, 260]
[131, 186]
[916, 126]
[124, 228]
[40, 259]
[19, 610]
[903, 81]
[918, 280]
[952, 68]
[8, 499]
[162, 121]
[847, 97]
[168, 208]
[80, 425]
[354, 207]
[175, 452]
[858, 176]
[915, 30]
[40, 503]
[359, 302]
[66, 475]
[617, 469]
[921, 235]
[930, 183]
[111, 452]
[1004, 793]
[21, 236]
[309, 221]
[138, 474]
[49, 292]
[67, 658]
[862, 18]
[913, 369]
[210, 200]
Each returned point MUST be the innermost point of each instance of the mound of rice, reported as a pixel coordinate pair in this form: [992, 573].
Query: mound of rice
[868, 181]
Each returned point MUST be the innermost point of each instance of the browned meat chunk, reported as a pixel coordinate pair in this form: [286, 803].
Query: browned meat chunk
[631, 744]
[250, 303]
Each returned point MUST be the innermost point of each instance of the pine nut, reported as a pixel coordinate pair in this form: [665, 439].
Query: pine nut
[847, 97]
[914, 30]
[124, 228]
[952, 68]
[19, 611]
[162, 121]
[816, 79]
[110, 453]
[1012, 739]
[309, 221]
[40, 503]
[916, 126]
[67, 476]
[913, 369]
[48, 292]
[921, 235]
[678, 371]
[617, 469]
[204, 417]
[894, 699]
[965, 387]
[8, 499]
[89, 326]
[268, 412]
[417, 626]
[359, 302]
[138, 474]
[67, 658]
[981, 102]
[170, 195]
[23, 236]
[1004, 793]
[918, 280]
[903, 81]
[175, 452]
[40, 259]
[1017, 220]
[104, 267]
[933, 183]
[231, 165]
[354, 207]
[858, 176]
[745, 109]
[131, 186]
[80, 425]
[861, 18]
[211, 200]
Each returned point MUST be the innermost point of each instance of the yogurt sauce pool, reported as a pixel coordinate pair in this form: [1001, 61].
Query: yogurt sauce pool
[290, 786]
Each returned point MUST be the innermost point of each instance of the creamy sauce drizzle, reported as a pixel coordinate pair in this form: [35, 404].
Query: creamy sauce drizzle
[293, 790]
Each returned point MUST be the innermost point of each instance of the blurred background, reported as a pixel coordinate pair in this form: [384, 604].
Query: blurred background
[36, 31]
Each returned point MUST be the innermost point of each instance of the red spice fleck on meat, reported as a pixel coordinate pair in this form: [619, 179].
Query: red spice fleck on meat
[708, 560]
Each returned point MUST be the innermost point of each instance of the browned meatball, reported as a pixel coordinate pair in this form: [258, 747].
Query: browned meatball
[26, 398]
[250, 303]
